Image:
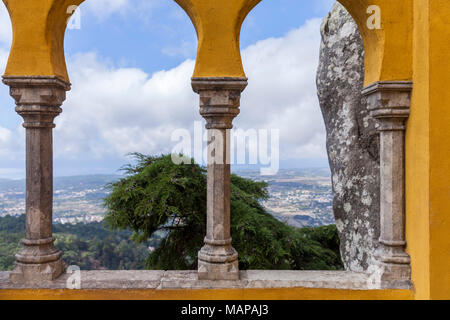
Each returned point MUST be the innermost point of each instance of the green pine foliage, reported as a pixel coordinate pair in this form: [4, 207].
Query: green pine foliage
[12, 231]
[162, 205]
[159, 196]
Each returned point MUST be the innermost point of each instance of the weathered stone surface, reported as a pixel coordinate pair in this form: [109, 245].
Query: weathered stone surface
[169, 280]
[38, 101]
[352, 139]
[219, 105]
[389, 102]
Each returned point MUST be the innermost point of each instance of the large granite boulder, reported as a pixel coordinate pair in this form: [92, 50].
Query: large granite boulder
[352, 139]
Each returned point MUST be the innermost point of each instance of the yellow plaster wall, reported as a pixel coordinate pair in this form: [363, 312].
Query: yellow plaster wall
[39, 28]
[211, 294]
[428, 152]
[439, 80]
[38, 37]
[218, 25]
[388, 51]
[417, 157]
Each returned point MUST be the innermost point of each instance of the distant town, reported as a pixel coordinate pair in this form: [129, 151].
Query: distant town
[300, 197]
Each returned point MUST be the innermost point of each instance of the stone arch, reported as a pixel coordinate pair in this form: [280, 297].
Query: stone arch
[388, 49]
[386, 56]
[42, 38]
[38, 43]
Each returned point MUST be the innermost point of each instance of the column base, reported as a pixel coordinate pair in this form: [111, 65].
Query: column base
[394, 269]
[218, 263]
[395, 276]
[37, 273]
[38, 261]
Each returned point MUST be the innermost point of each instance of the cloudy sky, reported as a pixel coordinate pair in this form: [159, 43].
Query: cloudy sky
[130, 65]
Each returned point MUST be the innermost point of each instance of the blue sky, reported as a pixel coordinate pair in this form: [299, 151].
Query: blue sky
[130, 64]
[161, 36]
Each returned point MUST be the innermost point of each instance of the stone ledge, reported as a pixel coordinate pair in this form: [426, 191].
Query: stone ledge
[164, 280]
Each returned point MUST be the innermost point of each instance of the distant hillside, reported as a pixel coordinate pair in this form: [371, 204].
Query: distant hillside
[90, 246]
[76, 199]
[299, 197]
[63, 182]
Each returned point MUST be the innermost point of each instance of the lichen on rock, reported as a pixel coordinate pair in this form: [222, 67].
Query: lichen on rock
[352, 139]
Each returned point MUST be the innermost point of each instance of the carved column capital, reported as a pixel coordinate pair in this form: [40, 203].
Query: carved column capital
[38, 99]
[389, 102]
[219, 100]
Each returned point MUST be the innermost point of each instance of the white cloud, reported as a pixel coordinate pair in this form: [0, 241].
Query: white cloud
[104, 8]
[184, 49]
[7, 144]
[282, 91]
[5, 137]
[3, 59]
[11, 143]
[5, 26]
[113, 111]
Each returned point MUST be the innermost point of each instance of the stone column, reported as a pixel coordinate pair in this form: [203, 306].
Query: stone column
[219, 105]
[38, 101]
[389, 103]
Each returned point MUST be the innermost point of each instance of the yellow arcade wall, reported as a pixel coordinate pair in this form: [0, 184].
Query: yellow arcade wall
[218, 25]
[428, 152]
[39, 28]
[439, 208]
[388, 51]
[208, 294]
[413, 43]
[417, 158]
[38, 37]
